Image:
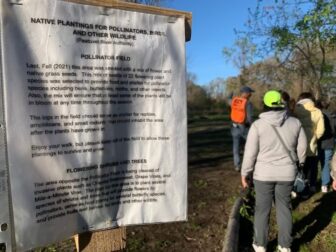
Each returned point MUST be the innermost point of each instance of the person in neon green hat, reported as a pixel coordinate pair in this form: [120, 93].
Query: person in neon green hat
[272, 99]
[273, 169]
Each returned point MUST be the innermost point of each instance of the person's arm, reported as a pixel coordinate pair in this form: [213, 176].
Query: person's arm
[301, 148]
[249, 113]
[250, 154]
[229, 99]
[333, 124]
[319, 126]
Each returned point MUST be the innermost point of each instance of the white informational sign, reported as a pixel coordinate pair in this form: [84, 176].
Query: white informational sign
[95, 108]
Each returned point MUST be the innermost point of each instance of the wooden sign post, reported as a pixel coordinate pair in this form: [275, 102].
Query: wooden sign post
[106, 240]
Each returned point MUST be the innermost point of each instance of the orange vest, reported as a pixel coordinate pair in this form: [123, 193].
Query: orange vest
[238, 110]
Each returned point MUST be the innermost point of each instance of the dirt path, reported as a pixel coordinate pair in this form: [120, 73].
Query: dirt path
[213, 186]
[210, 197]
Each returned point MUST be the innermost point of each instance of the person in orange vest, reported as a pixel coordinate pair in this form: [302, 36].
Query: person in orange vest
[241, 117]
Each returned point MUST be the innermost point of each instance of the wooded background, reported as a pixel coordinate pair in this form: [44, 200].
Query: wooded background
[285, 45]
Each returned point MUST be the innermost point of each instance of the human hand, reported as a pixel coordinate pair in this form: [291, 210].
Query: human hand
[300, 167]
[334, 185]
[244, 182]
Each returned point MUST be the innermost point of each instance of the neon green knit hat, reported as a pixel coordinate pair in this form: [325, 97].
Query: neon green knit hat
[272, 99]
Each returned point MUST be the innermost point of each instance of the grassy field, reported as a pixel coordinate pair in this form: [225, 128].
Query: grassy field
[213, 186]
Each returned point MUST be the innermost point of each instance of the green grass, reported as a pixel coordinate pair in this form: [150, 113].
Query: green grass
[201, 205]
[330, 240]
[134, 243]
[192, 225]
[245, 212]
[296, 215]
[333, 218]
[231, 200]
[304, 248]
[200, 184]
[165, 244]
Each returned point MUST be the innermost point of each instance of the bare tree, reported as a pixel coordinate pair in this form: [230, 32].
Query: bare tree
[242, 55]
[216, 89]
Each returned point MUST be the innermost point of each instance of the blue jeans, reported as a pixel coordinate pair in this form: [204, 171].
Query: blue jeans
[325, 157]
[239, 134]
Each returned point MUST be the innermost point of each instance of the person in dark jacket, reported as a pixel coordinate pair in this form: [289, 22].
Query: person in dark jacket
[288, 101]
[326, 144]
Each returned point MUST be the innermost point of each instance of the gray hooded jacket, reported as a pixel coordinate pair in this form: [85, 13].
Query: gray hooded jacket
[264, 153]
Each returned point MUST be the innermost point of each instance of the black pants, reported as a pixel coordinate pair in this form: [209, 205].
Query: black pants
[310, 170]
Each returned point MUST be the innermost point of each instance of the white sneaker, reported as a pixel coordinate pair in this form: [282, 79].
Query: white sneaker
[324, 189]
[293, 195]
[281, 249]
[258, 248]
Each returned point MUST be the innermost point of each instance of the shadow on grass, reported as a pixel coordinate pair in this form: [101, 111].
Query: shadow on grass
[306, 229]
[246, 220]
[210, 162]
[312, 224]
[245, 235]
[198, 135]
[210, 136]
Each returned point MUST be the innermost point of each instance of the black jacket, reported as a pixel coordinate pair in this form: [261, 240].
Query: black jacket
[327, 141]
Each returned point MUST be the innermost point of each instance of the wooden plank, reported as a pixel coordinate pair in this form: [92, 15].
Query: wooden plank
[142, 8]
[232, 231]
[101, 241]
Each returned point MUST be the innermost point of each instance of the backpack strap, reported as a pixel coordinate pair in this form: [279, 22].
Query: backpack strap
[283, 143]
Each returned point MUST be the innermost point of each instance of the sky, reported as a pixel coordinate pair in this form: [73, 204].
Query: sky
[213, 25]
